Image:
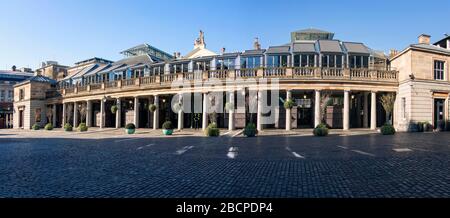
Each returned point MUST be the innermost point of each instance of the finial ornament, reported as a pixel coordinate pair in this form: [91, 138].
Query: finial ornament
[200, 41]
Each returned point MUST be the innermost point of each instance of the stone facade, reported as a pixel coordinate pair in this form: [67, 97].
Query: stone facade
[418, 89]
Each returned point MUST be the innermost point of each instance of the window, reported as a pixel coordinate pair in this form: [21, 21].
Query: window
[10, 95]
[358, 61]
[333, 61]
[277, 61]
[251, 62]
[439, 70]
[2, 96]
[21, 94]
[225, 64]
[304, 60]
[403, 108]
[179, 68]
[202, 65]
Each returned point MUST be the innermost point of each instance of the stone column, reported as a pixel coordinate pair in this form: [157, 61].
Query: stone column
[64, 115]
[54, 116]
[346, 112]
[259, 126]
[288, 111]
[102, 113]
[366, 110]
[180, 113]
[373, 111]
[136, 112]
[205, 112]
[156, 112]
[75, 115]
[231, 113]
[118, 113]
[89, 113]
[317, 114]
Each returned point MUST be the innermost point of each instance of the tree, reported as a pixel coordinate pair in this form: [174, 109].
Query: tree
[387, 101]
[49, 114]
[69, 112]
[324, 99]
[83, 111]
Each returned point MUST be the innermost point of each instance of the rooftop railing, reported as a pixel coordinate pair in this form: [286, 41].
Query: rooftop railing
[283, 73]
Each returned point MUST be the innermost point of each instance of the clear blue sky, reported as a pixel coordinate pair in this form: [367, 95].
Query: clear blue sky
[68, 31]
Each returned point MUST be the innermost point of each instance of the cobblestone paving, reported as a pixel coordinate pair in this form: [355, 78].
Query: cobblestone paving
[190, 166]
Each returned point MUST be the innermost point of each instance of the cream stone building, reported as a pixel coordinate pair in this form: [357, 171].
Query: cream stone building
[331, 81]
[424, 84]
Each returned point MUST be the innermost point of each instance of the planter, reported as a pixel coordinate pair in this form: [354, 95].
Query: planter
[130, 131]
[167, 131]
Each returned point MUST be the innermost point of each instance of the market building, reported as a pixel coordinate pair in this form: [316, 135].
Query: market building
[336, 82]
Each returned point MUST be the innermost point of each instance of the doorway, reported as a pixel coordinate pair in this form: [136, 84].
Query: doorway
[21, 119]
[439, 114]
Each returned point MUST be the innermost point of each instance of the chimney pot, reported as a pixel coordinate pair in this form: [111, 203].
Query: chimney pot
[393, 52]
[424, 39]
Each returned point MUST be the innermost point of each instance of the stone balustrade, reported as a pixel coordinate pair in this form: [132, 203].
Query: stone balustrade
[284, 73]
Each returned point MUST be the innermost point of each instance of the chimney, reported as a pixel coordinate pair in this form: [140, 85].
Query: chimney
[175, 55]
[256, 44]
[14, 68]
[178, 55]
[223, 50]
[392, 53]
[424, 39]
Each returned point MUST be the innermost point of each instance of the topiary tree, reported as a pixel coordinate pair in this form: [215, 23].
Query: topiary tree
[250, 130]
[387, 129]
[83, 127]
[167, 125]
[388, 101]
[35, 127]
[68, 127]
[289, 104]
[48, 126]
[212, 130]
[114, 109]
[321, 130]
[152, 107]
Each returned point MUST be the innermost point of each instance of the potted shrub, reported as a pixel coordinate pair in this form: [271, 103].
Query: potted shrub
[48, 126]
[83, 127]
[289, 104]
[35, 127]
[420, 126]
[167, 128]
[426, 126]
[250, 130]
[387, 129]
[321, 130]
[114, 109]
[130, 128]
[68, 127]
[212, 130]
[152, 108]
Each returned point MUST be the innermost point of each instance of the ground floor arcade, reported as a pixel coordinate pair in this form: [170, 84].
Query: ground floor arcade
[338, 109]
